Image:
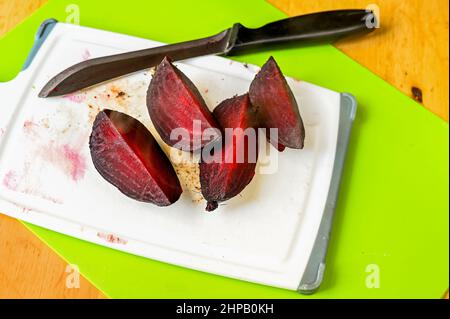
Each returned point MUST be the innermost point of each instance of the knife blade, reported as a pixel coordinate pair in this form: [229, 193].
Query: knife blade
[321, 27]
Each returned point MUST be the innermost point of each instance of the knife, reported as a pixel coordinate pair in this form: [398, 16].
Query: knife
[321, 27]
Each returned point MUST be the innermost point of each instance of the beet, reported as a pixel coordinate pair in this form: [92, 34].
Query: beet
[231, 169]
[174, 102]
[126, 154]
[276, 107]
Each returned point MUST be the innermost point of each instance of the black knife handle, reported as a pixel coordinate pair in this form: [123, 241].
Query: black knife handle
[321, 27]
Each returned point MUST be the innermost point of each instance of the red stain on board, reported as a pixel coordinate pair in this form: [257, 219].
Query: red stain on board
[14, 182]
[77, 162]
[11, 181]
[45, 197]
[86, 55]
[76, 98]
[29, 126]
[68, 159]
[112, 239]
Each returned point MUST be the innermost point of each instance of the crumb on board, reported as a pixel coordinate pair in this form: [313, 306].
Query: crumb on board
[121, 94]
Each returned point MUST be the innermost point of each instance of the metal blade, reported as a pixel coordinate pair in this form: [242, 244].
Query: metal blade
[88, 73]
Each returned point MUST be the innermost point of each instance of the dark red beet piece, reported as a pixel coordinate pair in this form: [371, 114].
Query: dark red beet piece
[126, 154]
[230, 170]
[277, 107]
[174, 102]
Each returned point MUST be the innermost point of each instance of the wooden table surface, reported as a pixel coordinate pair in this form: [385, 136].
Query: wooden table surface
[410, 51]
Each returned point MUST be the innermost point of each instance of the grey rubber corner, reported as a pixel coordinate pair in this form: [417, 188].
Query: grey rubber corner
[310, 286]
[315, 269]
[44, 30]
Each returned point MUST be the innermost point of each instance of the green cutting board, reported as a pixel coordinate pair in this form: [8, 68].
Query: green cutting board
[392, 212]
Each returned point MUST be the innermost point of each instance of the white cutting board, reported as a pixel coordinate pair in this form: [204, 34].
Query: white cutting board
[47, 178]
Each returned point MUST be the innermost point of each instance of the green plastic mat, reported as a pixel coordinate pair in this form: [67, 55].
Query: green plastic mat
[392, 215]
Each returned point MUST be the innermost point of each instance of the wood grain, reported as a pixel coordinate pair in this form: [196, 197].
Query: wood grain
[13, 12]
[28, 267]
[409, 50]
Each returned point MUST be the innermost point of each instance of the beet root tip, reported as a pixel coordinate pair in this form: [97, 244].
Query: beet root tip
[212, 206]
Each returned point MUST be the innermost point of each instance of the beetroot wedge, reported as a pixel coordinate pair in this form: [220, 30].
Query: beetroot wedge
[229, 171]
[175, 105]
[125, 153]
[277, 107]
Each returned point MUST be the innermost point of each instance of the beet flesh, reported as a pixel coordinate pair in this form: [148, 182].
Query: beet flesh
[276, 107]
[126, 154]
[174, 102]
[230, 170]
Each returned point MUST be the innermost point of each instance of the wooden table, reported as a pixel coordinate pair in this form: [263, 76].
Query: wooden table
[410, 51]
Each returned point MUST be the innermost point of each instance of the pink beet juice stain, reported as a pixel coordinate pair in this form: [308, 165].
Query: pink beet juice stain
[112, 239]
[10, 181]
[76, 98]
[77, 162]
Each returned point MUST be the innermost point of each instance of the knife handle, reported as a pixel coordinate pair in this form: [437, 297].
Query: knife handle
[321, 27]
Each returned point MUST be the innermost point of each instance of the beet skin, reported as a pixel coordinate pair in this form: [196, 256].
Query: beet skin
[276, 106]
[125, 153]
[174, 103]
